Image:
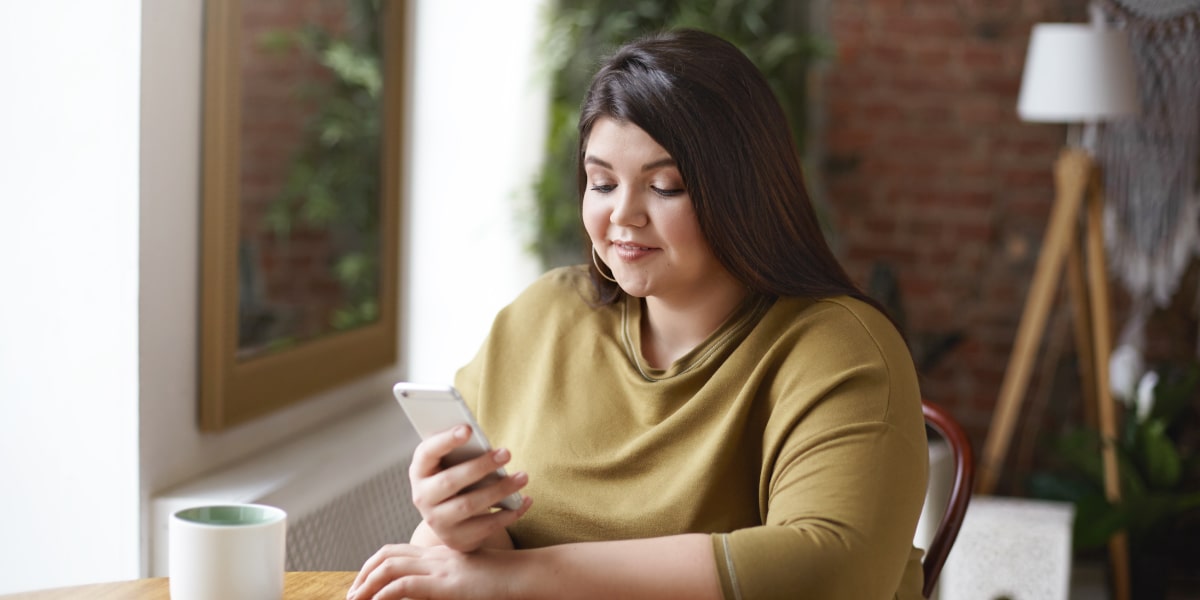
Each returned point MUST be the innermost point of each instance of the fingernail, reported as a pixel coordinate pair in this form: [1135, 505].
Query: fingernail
[521, 477]
[462, 432]
[502, 455]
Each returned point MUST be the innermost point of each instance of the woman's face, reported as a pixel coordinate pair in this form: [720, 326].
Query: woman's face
[640, 218]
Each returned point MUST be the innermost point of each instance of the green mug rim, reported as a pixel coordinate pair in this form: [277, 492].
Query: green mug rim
[230, 515]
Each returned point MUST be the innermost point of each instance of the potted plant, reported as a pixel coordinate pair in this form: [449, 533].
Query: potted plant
[1159, 479]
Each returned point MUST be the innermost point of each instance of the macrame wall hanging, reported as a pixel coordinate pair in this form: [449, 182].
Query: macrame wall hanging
[1152, 208]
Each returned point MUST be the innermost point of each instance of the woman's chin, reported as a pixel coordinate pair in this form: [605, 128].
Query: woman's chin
[634, 287]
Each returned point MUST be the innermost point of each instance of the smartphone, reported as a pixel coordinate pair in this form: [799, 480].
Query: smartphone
[433, 409]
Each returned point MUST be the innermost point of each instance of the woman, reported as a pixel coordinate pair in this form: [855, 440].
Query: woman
[710, 408]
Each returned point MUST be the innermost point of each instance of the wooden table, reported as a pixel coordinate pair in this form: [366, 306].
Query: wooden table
[298, 585]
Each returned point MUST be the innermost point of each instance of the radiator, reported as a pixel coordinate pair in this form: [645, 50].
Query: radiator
[345, 489]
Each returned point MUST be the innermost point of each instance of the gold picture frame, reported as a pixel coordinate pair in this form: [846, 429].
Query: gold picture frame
[233, 389]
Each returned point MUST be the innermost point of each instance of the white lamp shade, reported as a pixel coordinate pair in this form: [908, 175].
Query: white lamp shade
[1077, 73]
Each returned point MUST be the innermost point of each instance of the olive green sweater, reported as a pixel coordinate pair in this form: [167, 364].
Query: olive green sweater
[793, 435]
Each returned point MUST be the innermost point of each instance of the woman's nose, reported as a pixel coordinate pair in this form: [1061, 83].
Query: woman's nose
[628, 209]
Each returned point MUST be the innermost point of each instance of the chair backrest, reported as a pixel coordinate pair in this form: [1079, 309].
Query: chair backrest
[960, 493]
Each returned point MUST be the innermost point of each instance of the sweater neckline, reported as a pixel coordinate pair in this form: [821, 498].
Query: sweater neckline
[743, 318]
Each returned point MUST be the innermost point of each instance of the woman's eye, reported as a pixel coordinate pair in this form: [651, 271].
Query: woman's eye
[667, 192]
[603, 188]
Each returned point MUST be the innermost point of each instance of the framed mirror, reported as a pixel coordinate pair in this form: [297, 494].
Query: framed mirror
[300, 192]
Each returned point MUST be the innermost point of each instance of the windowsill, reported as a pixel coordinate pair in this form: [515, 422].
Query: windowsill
[298, 476]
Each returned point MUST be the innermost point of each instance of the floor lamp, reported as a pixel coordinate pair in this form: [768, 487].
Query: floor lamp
[1081, 75]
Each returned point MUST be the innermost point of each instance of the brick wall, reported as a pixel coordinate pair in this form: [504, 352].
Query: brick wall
[929, 170]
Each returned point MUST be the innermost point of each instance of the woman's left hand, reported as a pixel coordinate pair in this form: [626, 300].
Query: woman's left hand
[406, 571]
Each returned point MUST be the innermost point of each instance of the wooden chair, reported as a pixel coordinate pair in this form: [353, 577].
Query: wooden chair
[960, 493]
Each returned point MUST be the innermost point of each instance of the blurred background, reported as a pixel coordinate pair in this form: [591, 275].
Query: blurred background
[934, 194]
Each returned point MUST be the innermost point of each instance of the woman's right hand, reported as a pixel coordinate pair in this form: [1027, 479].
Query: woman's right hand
[462, 521]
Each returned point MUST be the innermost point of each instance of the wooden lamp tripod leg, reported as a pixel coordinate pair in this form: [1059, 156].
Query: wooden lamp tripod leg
[1073, 178]
[1118, 546]
[1071, 175]
[1081, 315]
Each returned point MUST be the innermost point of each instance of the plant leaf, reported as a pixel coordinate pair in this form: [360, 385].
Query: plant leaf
[1159, 459]
[277, 41]
[1096, 520]
[1082, 449]
[1052, 486]
[1175, 392]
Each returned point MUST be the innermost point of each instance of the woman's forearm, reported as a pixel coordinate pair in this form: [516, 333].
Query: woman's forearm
[679, 566]
[424, 536]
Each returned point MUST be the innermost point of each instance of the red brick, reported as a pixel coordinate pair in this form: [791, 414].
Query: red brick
[879, 227]
[917, 27]
[880, 112]
[1001, 85]
[987, 58]
[967, 232]
[986, 112]
[924, 112]
[933, 145]
[891, 6]
[851, 139]
[930, 56]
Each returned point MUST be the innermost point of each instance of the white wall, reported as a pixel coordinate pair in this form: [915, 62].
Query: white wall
[68, 310]
[478, 137]
[98, 229]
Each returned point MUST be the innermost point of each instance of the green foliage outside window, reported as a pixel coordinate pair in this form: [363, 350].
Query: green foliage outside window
[333, 182]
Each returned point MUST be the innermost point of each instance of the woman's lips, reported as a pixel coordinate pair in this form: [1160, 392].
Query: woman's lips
[629, 251]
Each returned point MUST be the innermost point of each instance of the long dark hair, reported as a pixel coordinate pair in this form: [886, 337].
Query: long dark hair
[708, 106]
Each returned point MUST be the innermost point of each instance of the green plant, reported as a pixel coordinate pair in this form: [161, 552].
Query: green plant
[333, 183]
[1159, 468]
[773, 33]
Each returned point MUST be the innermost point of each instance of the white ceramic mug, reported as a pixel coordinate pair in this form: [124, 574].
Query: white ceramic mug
[227, 552]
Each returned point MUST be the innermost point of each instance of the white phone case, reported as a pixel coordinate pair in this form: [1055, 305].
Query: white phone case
[433, 409]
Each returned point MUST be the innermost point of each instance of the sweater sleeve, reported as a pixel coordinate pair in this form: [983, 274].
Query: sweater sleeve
[842, 543]
[844, 481]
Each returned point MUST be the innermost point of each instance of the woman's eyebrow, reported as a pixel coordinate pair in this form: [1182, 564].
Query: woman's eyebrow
[662, 162]
[592, 160]
[650, 166]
